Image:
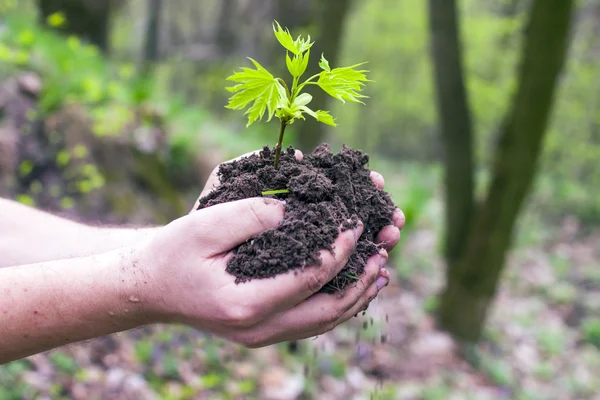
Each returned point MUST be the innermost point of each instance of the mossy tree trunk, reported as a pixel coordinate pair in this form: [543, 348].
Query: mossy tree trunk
[88, 19]
[475, 265]
[330, 17]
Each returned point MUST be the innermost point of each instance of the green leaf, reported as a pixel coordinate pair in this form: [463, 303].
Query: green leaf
[291, 66]
[285, 38]
[303, 63]
[297, 65]
[259, 87]
[344, 84]
[324, 64]
[303, 44]
[326, 118]
[320, 115]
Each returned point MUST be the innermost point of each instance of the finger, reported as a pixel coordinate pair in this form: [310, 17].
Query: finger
[288, 290]
[213, 180]
[361, 305]
[221, 228]
[388, 237]
[377, 179]
[320, 311]
[399, 218]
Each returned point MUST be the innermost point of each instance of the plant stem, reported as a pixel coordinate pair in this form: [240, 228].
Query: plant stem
[309, 82]
[279, 142]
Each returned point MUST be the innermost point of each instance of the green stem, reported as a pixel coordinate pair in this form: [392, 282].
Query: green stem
[294, 90]
[279, 142]
[308, 82]
[285, 86]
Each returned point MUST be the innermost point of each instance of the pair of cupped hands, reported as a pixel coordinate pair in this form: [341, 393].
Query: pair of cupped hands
[187, 260]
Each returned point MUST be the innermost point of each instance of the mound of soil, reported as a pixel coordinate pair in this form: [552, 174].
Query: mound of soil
[326, 191]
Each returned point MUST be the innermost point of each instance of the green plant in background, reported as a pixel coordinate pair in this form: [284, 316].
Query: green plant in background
[261, 92]
[591, 331]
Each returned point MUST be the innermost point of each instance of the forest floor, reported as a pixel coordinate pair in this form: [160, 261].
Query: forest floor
[539, 343]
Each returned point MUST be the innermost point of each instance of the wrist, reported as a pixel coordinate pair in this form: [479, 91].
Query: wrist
[133, 304]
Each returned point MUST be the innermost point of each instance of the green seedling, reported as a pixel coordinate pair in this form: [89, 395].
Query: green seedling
[350, 276]
[259, 91]
[278, 191]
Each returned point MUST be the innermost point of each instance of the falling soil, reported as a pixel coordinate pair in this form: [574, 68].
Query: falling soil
[326, 191]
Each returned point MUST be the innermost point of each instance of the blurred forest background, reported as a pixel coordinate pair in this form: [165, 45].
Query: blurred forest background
[484, 118]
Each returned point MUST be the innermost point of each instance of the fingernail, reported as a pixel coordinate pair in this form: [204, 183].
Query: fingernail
[358, 231]
[381, 282]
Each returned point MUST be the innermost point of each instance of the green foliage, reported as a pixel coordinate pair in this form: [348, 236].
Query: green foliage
[63, 362]
[72, 72]
[259, 91]
[590, 331]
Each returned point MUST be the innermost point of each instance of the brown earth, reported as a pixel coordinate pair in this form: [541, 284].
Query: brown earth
[326, 192]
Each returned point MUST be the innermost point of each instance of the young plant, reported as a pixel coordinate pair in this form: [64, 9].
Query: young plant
[259, 91]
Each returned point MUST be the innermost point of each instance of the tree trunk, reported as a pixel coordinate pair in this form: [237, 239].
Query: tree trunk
[88, 19]
[151, 41]
[455, 123]
[330, 19]
[473, 279]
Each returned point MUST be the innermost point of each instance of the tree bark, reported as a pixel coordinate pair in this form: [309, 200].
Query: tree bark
[455, 124]
[331, 16]
[473, 280]
[88, 19]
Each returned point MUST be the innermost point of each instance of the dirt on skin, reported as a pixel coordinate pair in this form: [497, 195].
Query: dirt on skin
[326, 192]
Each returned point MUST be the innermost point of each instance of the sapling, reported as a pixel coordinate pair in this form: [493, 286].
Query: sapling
[259, 91]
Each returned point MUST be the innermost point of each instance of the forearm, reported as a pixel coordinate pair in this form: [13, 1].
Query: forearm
[52, 304]
[30, 236]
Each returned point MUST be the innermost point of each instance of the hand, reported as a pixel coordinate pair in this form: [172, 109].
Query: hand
[389, 235]
[187, 259]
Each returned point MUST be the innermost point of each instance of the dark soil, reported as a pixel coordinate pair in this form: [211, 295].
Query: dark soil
[326, 191]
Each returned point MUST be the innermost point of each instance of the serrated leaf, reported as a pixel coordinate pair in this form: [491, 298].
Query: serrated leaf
[344, 84]
[303, 64]
[320, 115]
[303, 44]
[326, 118]
[297, 64]
[285, 38]
[324, 64]
[259, 87]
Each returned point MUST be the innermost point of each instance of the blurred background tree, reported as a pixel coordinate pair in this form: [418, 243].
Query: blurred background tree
[483, 116]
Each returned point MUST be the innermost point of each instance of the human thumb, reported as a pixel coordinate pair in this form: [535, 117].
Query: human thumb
[227, 225]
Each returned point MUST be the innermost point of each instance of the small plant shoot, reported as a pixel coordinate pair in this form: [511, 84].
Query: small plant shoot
[259, 91]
